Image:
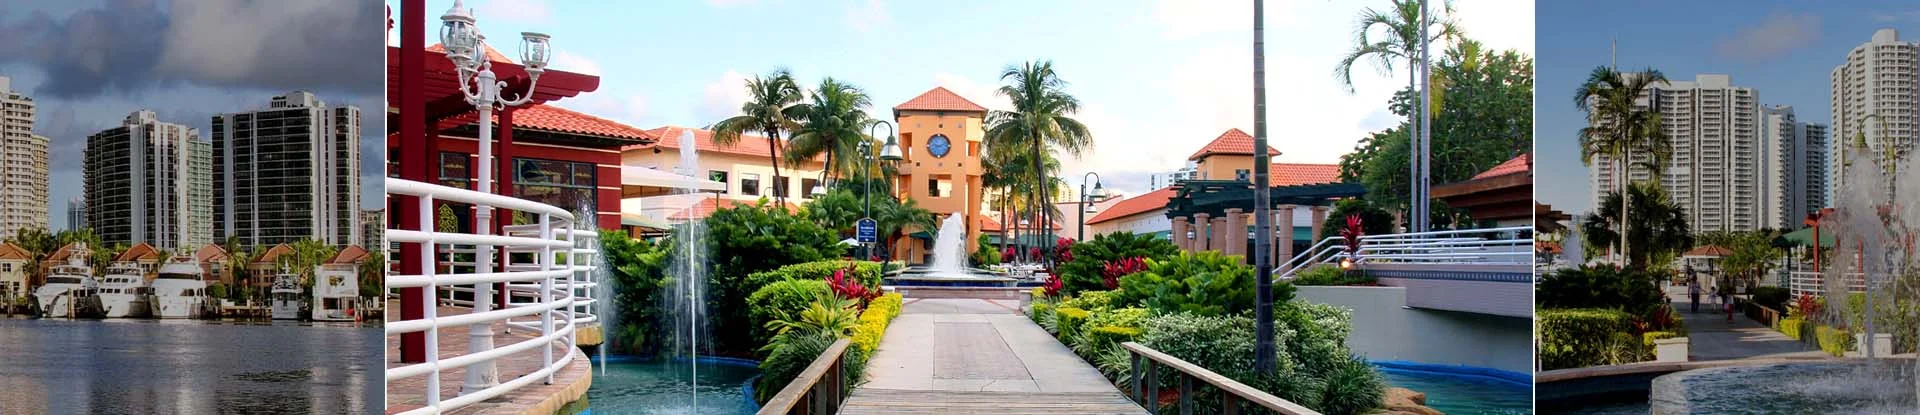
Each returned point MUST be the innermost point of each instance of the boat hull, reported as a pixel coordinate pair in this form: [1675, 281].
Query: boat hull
[126, 305]
[179, 307]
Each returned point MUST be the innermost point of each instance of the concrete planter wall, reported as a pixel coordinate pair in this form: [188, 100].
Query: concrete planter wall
[1671, 350]
[1386, 329]
[1882, 344]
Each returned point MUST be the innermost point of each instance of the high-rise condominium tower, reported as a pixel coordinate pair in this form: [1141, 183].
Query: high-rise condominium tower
[23, 164]
[1794, 167]
[149, 181]
[288, 172]
[76, 213]
[1874, 95]
[1713, 173]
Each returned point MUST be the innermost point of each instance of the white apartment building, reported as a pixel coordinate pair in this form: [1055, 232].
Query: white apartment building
[149, 181]
[288, 172]
[1873, 93]
[1160, 180]
[1794, 166]
[1714, 173]
[23, 157]
[76, 213]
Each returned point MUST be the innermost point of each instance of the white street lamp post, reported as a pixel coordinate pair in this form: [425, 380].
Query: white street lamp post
[466, 47]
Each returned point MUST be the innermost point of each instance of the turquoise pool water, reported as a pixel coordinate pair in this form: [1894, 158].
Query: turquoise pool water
[635, 386]
[1463, 394]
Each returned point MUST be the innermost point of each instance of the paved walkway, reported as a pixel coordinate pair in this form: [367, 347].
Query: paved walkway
[570, 383]
[1715, 338]
[970, 355]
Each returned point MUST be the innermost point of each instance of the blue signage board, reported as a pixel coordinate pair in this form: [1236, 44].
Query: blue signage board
[867, 230]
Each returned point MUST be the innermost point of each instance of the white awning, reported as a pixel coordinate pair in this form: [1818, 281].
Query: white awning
[643, 176]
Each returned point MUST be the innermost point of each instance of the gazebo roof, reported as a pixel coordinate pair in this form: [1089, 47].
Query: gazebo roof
[1214, 197]
[1708, 251]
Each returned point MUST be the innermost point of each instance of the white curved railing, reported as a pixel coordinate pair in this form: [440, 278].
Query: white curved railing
[1490, 246]
[1809, 282]
[544, 275]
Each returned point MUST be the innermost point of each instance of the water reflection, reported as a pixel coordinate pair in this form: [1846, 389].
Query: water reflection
[182, 366]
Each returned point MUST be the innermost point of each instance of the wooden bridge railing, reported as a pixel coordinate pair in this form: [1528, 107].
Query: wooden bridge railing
[807, 394]
[1146, 385]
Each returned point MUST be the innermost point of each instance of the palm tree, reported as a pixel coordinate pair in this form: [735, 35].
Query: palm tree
[307, 254]
[766, 112]
[835, 124]
[1402, 23]
[895, 217]
[1040, 121]
[1617, 126]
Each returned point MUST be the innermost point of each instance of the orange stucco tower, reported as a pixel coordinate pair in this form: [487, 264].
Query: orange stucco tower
[941, 139]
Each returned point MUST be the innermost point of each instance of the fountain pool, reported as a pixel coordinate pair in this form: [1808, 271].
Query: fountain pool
[632, 385]
[949, 265]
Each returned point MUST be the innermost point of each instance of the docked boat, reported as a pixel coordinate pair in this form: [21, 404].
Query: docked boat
[336, 293]
[124, 291]
[285, 297]
[69, 292]
[179, 290]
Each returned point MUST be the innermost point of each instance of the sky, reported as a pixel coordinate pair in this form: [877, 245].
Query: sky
[1782, 49]
[87, 64]
[1156, 79]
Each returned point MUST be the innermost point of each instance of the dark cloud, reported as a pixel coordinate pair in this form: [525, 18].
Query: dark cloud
[129, 46]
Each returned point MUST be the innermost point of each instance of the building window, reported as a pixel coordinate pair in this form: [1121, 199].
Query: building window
[780, 188]
[454, 170]
[807, 185]
[750, 184]
[719, 176]
[1241, 175]
[933, 187]
[564, 184]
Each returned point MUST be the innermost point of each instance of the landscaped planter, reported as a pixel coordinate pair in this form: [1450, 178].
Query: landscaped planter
[1671, 350]
[1882, 344]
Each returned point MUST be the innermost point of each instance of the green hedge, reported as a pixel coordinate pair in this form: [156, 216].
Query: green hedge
[1571, 338]
[1792, 327]
[1068, 321]
[780, 300]
[1090, 300]
[867, 272]
[1772, 297]
[1834, 341]
[1041, 312]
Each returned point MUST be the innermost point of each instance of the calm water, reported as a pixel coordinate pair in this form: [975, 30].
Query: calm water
[188, 367]
[632, 386]
[1464, 395]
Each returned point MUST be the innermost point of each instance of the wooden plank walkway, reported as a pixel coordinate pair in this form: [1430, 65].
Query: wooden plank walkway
[969, 356]
[570, 383]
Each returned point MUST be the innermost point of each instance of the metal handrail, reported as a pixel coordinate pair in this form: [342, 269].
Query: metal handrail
[546, 282]
[1809, 282]
[1441, 247]
[1146, 385]
[807, 394]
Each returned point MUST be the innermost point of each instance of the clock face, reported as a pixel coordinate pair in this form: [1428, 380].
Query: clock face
[939, 145]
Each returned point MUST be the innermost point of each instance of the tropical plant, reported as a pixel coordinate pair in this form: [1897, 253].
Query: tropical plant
[772, 97]
[1086, 271]
[1204, 283]
[373, 274]
[787, 358]
[830, 315]
[1041, 121]
[1598, 286]
[306, 254]
[851, 289]
[838, 210]
[1618, 128]
[1659, 224]
[637, 275]
[984, 254]
[782, 300]
[1352, 233]
[1571, 338]
[748, 239]
[1111, 272]
[835, 126]
[894, 218]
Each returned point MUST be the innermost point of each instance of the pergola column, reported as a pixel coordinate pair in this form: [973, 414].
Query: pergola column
[1220, 231]
[1236, 226]
[1319, 222]
[1179, 234]
[1283, 222]
[1201, 234]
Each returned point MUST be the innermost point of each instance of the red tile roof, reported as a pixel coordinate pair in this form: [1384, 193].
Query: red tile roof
[1521, 164]
[10, 251]
[706, 206]
[138, 252]
[61, 254]
[555, 119]
[1290, 174]
[350, 255]
[669, 137]
[272, 255]
[210, 253]
[1152, 201]
[939, 99]
[1233, 141]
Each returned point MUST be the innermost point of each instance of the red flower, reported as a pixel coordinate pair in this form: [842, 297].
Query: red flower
[851, 289]
[1033, 252]
[1008, 254]
[1111, 272]
[1808, 305]
[1352, 233]
[1053, 285]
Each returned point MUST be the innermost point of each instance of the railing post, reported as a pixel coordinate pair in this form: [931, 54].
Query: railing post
[546, 294]
[1229, 403]
[1153, 387]
[1136, 373]
[429, 298]
[1186, 394]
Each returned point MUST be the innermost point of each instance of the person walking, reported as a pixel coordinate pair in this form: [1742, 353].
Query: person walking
[1693, 291]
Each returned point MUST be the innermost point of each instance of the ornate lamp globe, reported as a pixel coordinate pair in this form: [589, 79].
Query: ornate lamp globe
[534, 51]
[457, 34]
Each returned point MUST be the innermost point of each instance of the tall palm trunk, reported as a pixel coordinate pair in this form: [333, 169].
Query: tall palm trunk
[773, 156]
[1046, 214]
[1413, 157]
[1626, 197]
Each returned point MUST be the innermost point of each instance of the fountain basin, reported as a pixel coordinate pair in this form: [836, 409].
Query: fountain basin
[928, 277]
[638, 385]
[1851, 387]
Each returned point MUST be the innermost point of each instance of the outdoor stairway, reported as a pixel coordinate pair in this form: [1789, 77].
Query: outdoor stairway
[978, 356]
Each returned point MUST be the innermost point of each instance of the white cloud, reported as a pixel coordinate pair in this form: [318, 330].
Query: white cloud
[570, 62]
[1771, 39]
[519, 11]
[1500, 25]
[723, 97]
[985, 94]
[866, 15]
[629, 109]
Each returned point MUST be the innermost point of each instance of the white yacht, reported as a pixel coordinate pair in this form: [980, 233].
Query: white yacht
[124, 291]
[69, 290]
[180, 293]
[285, 297]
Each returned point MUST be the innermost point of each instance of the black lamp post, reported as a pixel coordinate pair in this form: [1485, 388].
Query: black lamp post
[1084, 197]
[889, 153]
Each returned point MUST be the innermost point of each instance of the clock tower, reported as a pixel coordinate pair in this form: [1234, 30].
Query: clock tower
[941, 135]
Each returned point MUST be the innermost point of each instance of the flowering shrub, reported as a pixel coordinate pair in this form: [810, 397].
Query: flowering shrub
[1009, 254]
[1806, 305]
[1062, 250]
[1353, 232]
[851, 289]
[1112, 271]
[1053, 285]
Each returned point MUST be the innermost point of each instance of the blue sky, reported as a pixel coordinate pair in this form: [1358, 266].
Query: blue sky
[1783, 49]
[1157, 79]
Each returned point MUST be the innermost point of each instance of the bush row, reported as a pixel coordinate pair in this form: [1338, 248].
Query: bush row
[1571, 338]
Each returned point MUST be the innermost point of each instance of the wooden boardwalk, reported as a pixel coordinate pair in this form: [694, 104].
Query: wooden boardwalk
[968, 356]
[570, 383]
